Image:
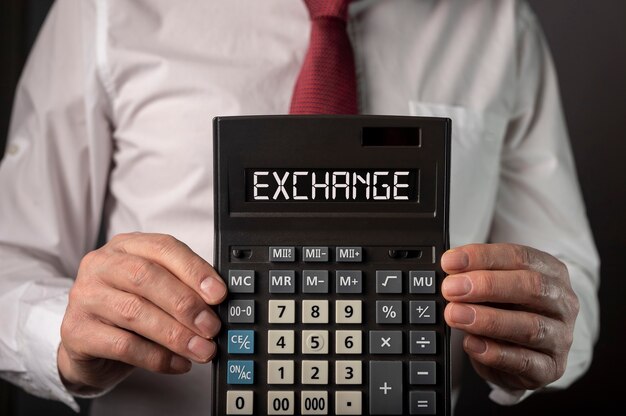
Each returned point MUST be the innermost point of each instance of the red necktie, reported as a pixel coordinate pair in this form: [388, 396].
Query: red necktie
[327, 80]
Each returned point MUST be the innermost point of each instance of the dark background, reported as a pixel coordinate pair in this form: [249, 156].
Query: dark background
[588, 41]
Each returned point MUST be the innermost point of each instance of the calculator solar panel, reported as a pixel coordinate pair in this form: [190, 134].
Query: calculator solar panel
[329, 232]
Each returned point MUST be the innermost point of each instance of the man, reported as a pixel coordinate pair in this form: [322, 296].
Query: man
[112, 124]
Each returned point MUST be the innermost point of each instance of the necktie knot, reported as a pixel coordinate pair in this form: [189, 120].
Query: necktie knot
[328, 8]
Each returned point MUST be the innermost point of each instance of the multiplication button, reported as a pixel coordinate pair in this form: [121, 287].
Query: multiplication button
[385, 342]
[239, 402]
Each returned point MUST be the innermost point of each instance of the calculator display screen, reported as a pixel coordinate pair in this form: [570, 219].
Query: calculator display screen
[332, 185]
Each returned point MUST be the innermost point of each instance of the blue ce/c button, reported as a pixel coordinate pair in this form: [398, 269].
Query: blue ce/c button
[241, 342]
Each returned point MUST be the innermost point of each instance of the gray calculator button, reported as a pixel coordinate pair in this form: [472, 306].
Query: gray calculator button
[282, 281]
[385, 342]
[282, 254]
[422, 311]
[241, 311]
[349, 254]
[385, 387]
[349, 281]
[423, 372]
[388, 311]
[388, 281]
[315, 254]
[422, 403]
[315, 281]
[241, 281]
[423, 342]
[422, 281]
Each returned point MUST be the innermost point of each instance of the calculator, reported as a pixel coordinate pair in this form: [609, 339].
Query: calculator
[329, 232]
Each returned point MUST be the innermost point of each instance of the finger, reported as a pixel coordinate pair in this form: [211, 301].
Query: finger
[149, 280]
[530, 289]
[136, 314]
[512, 366]
[518, 327]
[500, 257]
[179, 259]
[104, 341]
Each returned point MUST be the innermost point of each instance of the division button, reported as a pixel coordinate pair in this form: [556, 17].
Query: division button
[422, 311]
[241, 281]
[240, 372]
[282, 281]
[423, 372]
[422, 281]
[422, 403]
[348, 281]
[315, 281]
[239, 402]
[348, 403]
[315, 254]
[388, 311]
[280, 403]
[385, 387]
[385, 342]
[388, 281]
[349, 254]
[423, 342]
[240, 342]
[280, 254]
[241, 311]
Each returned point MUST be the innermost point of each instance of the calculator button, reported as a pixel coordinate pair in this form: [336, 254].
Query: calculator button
[388, 281]
[280, 342]
[240, 372]
[315, 254]
[423, 372]
[348, 342]
[314, 403]
[280, 403]
[315, 342]
[422, 311]
[423, 342]
[385, 387]
[239, 402]
[348, 372]
[282, 281]
[422, 281]
[241, 311]
[388, 311]
[279, 254]
[348, 403]
[241, 281]
[349, 281]
[349, 254]
[422, 403]
[280, 371]
[240, 342]
[281, 311]
[348, 312]
[385, 342]
[314, 311]
[314, 372]
[315, 281]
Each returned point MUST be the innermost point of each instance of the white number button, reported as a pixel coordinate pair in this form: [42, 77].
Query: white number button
[348, 372]
[239, 402]
[280, 402]
[282, 311]
[314, 311]
[280, 372]
[314, 372]
[314, 342]
[348, 342]
[348, 312]
[314, 403]
[280, 342]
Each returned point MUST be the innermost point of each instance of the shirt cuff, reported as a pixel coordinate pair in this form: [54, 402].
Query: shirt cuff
[507, 397]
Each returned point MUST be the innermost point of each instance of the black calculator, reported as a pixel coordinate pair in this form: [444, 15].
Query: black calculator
[329, 231]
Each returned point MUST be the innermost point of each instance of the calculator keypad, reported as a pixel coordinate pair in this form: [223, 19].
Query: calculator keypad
[330, 337]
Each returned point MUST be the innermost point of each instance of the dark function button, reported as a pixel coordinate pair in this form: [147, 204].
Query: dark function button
[349, 254]
[422, 281]
[315, 254]
[385, 387]
[282, 254]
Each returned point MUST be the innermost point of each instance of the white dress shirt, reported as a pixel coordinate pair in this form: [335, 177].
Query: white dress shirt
[113, 122]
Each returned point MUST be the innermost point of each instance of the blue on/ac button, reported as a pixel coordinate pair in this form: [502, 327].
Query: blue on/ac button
[241, 342]
[240, 372]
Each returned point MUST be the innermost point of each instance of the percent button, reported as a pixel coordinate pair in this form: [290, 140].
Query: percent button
[388, 312]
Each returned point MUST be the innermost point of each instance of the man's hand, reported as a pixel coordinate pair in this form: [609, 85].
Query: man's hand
[142, 300]
[517, 308]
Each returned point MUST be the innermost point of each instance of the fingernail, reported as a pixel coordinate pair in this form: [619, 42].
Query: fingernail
[457, 285]
[476, 345]
[455, 260]
[462, 314]
[214, 289]
[179, 364]
[208, 324]
[201, 348]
